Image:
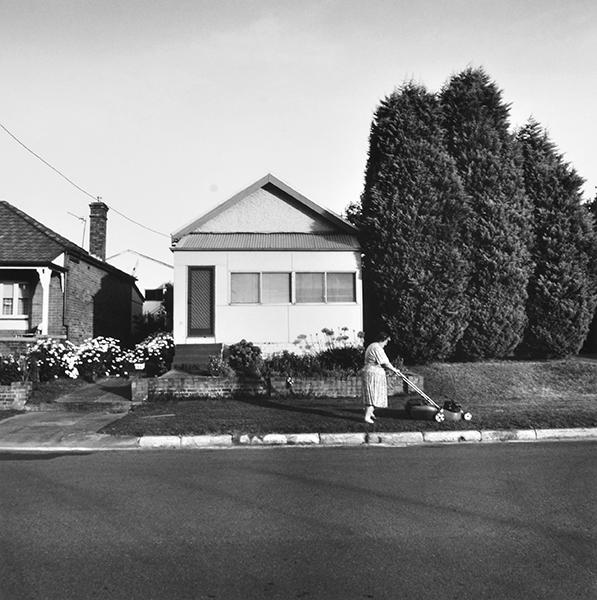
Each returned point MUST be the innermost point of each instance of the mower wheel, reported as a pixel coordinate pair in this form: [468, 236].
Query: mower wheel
[440, 416]
[467, 416]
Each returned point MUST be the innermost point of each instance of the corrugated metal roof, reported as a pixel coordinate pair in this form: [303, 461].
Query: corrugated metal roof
[268, 241]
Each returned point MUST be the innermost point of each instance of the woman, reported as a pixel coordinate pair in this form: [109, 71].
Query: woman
[375, 387]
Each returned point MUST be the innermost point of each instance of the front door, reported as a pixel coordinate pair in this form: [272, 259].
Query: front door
[201, 302]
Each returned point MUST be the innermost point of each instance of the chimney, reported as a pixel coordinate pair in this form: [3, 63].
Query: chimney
[98, 218]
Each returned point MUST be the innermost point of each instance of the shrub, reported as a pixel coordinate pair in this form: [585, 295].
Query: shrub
[101, 356]
[347, 358]
[245, 358]
[339, 361]
[10, 370]
[156, 351]
[219, 367]
[49, 359]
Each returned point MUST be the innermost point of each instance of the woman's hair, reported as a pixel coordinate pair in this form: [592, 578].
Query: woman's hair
[381, 336]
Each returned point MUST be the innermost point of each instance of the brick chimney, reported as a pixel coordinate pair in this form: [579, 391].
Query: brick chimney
[98, 218]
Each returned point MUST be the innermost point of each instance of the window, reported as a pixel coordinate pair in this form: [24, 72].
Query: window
[310, 287]
[16, 299]
[244, 288]
[340, 287]
[275, 288]
[154, 295]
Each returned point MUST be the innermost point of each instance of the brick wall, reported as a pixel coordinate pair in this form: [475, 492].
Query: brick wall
[222, 387]
[14, 396]
[98, 303]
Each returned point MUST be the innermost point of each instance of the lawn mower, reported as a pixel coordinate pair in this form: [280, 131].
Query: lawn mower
[424, 408]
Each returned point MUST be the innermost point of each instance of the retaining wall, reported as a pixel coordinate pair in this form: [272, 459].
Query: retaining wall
[15, 395]
[195, 386]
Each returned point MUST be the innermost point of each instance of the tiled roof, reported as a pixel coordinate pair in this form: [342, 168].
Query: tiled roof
[268, 241]
[25, 240]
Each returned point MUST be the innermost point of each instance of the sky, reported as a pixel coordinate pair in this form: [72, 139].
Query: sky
[164, 109]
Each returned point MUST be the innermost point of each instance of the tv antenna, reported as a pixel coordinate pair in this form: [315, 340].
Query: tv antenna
[84, 225]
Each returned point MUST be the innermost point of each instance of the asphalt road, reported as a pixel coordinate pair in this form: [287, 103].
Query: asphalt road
[477, 521]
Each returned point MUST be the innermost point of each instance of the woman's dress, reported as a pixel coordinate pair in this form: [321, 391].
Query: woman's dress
[375, 387]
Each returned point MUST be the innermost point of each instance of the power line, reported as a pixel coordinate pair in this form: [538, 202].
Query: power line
[94, 198]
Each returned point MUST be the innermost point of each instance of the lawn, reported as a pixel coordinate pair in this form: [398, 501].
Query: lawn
[500, 394]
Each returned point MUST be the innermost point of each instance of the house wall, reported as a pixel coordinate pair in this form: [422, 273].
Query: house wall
[98, 303]
[56, 316]
[273, 326]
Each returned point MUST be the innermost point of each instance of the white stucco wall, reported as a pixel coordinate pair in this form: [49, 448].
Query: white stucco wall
[248, 215]
[273, 326]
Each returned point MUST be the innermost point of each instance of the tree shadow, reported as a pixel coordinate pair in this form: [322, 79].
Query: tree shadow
[338, 413]
[347, 413]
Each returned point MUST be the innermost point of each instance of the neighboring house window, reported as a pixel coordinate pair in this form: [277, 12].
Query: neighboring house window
[16, 299]
[276, 288]
[155, 295]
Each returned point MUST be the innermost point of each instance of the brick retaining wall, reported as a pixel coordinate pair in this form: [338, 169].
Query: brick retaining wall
[15, 395]
[222, 387]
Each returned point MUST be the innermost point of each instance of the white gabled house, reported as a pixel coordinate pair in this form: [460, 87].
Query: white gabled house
[268, 265]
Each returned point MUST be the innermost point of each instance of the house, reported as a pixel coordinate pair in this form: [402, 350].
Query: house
[269, 266]
[151, 274]
[49, 286]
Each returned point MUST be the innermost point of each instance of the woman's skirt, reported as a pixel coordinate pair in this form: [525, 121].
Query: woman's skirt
[375, 386]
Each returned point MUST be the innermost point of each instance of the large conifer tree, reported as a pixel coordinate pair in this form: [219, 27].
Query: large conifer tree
[410, 221]
[561, 299]
[476, 122]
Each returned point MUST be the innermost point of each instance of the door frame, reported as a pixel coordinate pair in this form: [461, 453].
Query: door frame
[202, 332]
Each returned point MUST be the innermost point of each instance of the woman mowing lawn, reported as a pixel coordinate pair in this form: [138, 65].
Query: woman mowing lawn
[375, 386]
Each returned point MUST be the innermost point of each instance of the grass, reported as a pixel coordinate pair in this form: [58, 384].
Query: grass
[500, 394]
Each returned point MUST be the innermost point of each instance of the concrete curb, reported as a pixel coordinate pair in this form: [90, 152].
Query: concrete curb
[96, 442]
[402, 438]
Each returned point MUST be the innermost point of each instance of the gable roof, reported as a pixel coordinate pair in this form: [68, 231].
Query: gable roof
[24, 241]
[285, 192]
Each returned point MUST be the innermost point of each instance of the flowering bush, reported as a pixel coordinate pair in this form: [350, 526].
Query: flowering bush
[49, 359]
[10, 370]
[101, 356]
[327, 338]
[155, 351]
[219, 367]
[245, 358]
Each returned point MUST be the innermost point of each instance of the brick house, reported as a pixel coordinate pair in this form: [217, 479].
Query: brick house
[267, 265]
[49, 286]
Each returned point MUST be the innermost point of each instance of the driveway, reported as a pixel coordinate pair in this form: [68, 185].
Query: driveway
[44, 430]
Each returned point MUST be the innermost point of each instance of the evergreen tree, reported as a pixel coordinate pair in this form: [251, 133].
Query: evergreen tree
[561, 287]
[590, 345]
[414, 273]
[476, 122]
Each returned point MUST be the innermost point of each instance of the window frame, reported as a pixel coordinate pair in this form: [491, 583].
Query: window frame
[293, 288]
[14, 298]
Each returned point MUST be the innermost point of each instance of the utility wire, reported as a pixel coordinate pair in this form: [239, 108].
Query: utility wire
[95, 198]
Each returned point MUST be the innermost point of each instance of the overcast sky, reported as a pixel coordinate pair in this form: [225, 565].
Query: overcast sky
[166, 108]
